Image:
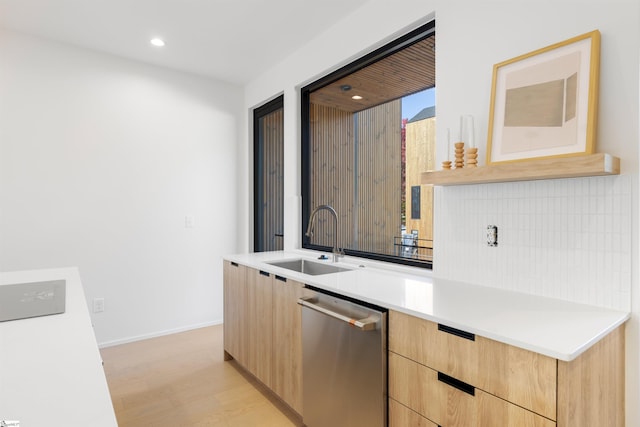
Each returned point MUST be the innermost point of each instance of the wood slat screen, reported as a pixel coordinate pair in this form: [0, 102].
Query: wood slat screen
[355, 167]
[273, 180]
[331, 165]
[379, 178]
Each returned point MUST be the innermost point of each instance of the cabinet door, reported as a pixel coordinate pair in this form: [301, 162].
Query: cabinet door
[260, 325]
[591, 387]
[287, 341]
[235, 311]
[523, 377]
[449, 402]
[401, 416]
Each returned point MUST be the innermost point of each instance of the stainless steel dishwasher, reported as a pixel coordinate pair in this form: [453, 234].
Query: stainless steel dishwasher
[344, 362]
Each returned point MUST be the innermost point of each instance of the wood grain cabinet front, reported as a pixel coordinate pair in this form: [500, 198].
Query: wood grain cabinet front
[263, 328]
[523, 377]
[455, 378]
[287, 341]
[448, 401]
[400, 415]
[235, 305]
[260, 325]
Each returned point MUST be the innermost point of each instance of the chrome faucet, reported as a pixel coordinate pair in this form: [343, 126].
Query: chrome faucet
[337, 252]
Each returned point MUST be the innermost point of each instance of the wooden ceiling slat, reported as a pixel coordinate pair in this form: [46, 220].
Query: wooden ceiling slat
[405, 72]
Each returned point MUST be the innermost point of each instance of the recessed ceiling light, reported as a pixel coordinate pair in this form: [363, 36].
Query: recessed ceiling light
[356, 97]
[157, 42]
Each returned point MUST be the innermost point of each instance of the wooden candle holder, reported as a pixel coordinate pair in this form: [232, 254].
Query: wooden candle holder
[472, 157]
[459, 154]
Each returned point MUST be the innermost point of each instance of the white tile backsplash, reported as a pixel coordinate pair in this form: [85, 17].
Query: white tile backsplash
[566, 238]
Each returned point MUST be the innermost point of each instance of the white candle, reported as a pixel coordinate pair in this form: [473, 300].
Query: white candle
[472, 132]
[448, 143]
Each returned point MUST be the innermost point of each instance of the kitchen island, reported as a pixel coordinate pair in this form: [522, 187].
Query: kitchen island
[554, 328]
[50, 366]
[458, 353]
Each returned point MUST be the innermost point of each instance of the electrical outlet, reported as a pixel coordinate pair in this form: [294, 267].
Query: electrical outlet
[98, 305]
[189, 221]
[492, 235]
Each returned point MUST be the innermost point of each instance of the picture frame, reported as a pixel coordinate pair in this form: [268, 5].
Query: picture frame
[544, 103]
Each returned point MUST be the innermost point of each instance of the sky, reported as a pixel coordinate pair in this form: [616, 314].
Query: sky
[413, 104]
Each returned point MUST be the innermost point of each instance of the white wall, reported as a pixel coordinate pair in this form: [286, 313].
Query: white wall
[471, 37]
[101, 159]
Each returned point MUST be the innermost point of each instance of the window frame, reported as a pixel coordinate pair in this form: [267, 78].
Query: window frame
[258, 113]
[390, 48]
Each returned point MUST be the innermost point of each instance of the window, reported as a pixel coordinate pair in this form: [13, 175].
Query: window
[364, 145]
[268, 175]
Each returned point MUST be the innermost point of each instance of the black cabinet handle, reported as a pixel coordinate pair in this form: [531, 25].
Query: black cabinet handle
[455, 383]
[282, 279]
[235, 264]
[264, 273]
[457, 332]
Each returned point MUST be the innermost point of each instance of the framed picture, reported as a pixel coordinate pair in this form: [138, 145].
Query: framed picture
[544, 103]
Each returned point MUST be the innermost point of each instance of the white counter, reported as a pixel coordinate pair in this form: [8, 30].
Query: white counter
[555, 328]
[50, 367]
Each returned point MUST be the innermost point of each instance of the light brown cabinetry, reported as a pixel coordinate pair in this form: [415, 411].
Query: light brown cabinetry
[287, 341]
[235, 305]
[591, 387]
[443, 400]
[263, 328]
[259, 325]
[400, 415]
[454, 378]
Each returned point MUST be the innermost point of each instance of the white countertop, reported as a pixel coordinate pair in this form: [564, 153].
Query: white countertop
[50, 367]
[555, 328]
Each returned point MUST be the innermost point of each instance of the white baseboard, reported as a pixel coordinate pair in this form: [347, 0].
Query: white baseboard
[157, 334]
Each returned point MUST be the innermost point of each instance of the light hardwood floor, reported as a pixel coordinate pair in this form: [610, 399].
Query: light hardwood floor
[182, 380]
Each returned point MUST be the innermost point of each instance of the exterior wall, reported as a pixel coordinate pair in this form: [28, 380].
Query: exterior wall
[421, 140]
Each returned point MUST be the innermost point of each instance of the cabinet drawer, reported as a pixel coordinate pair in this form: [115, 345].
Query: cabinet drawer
[448, 402]
[401, 416]
[520, 376]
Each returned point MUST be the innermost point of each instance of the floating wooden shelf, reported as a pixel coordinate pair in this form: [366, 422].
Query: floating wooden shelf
[554, 168]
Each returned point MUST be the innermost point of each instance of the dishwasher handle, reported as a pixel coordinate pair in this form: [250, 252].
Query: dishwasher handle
[366, 324]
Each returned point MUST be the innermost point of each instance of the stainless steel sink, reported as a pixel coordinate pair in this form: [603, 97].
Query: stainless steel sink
[308, 267]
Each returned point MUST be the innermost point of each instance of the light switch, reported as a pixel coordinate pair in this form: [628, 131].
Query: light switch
[189, 221]
[98, 305]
